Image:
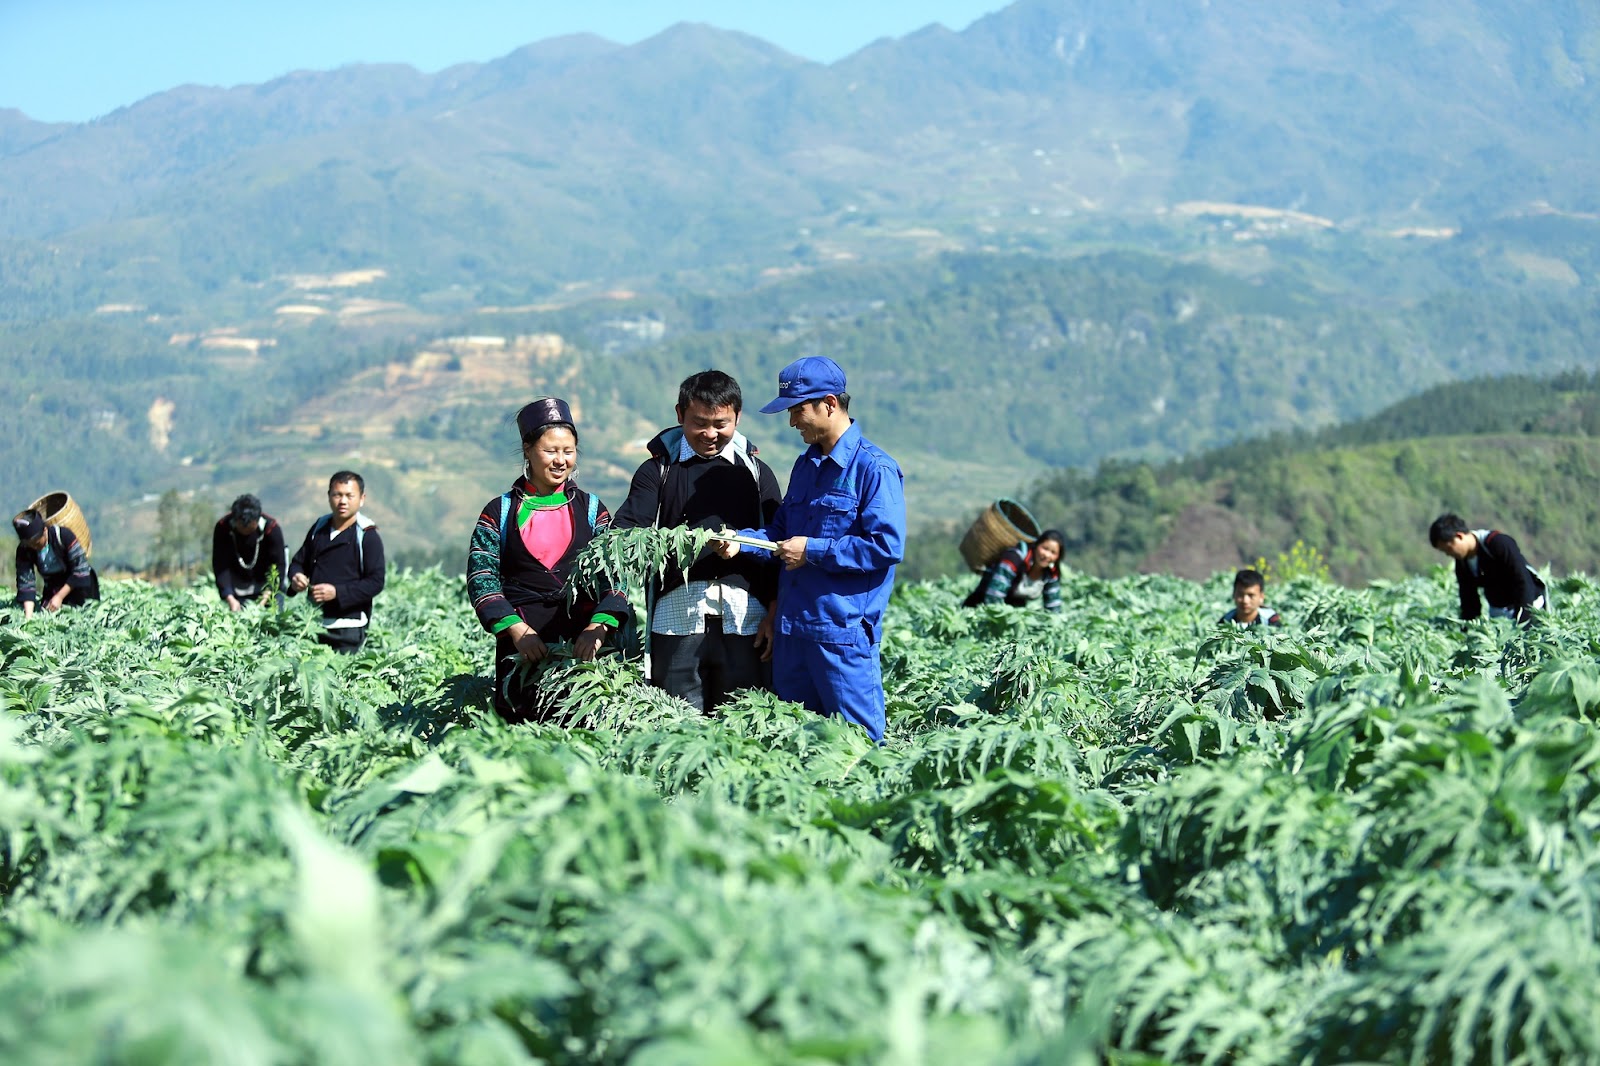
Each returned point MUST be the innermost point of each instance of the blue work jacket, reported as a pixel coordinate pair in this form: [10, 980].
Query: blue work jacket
[850, 504]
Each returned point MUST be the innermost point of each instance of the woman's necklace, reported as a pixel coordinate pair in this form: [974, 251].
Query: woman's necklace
[254, 555]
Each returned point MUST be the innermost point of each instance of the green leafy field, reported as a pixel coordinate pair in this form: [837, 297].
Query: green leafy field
[1370, 837]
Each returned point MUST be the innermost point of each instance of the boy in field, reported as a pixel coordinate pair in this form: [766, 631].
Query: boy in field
[1490, 560]
[1250, 601]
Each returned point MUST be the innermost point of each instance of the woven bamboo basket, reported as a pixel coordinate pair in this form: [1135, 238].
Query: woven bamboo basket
[59, 509]
[1005, 524]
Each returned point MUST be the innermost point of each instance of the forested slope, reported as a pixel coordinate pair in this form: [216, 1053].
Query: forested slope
[1517, 453]
[978, 372]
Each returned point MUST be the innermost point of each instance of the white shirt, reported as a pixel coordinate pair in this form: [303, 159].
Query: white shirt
[1027, 588]
[683, 611]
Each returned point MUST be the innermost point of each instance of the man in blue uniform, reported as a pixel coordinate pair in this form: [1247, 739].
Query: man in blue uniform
[840, 530]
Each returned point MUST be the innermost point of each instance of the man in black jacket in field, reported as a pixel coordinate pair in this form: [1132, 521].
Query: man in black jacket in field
[246, 549]
[341, 563]
[1490, 560]
[709, 635]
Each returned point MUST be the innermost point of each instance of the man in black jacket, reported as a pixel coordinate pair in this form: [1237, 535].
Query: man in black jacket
[709, 635]
[1490, 560]
[341, 562]
[246, 549]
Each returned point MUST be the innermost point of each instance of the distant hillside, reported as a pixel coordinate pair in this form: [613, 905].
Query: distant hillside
[979, 373]
[1516, 453]
[708, 151]
[1076, 231]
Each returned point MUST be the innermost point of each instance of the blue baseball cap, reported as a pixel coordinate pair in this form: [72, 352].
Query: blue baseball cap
[810, 378]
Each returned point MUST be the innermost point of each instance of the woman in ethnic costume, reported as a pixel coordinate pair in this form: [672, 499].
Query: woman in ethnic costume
[524, 546]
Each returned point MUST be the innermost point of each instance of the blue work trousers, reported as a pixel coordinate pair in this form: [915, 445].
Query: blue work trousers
[831, 679]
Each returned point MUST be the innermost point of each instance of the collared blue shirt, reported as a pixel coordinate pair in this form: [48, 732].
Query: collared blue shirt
[850, 505]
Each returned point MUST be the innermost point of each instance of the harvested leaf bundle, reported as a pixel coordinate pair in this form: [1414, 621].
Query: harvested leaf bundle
[627, 558]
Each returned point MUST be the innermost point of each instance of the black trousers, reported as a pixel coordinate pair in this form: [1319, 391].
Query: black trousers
[516, 694]
[77, 597]
[705, 669]
[347, 641]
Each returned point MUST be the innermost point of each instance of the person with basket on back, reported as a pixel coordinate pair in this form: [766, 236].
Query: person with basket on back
[57, 556]
[1023, 575]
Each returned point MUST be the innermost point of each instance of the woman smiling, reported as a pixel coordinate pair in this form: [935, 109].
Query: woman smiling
[522, 550]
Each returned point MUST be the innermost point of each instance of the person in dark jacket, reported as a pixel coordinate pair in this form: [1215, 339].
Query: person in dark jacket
[1490, 560]
[246, 549]
[341, 564]
[1025, 574]
[53, 552]
[1250, 601]
[523, 547]
[709, 634]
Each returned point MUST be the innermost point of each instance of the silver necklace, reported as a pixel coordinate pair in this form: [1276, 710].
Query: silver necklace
[251, 565]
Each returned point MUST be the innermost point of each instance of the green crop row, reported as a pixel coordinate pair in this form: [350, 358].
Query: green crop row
[1117, 833]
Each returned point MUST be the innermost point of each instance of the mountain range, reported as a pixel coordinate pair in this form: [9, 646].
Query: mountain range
[576, 158]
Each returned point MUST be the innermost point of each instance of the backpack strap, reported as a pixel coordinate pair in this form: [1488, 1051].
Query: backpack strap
[661, 487]
[505, 514]
[55, 539]
[671, 441]
[311, 541]
[594, 510]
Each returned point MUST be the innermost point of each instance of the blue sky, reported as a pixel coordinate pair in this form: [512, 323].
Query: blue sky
[73, 60]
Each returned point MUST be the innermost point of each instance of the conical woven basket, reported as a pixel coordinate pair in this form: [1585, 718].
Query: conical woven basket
[1005, 524]
[59, 509]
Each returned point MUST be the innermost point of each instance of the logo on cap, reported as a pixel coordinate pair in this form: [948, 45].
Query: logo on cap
[809, 378]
